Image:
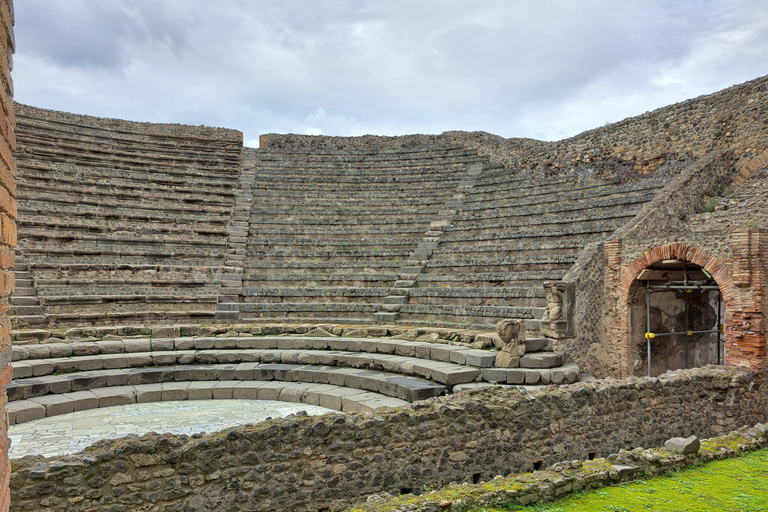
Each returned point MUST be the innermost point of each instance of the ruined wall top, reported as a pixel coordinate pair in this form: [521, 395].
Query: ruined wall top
[123, 126]
[735, 118]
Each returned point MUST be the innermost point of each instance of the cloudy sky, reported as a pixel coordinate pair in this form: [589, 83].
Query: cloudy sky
[546, 69]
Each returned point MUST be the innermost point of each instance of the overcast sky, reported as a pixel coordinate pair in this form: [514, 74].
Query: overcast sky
[544, 69]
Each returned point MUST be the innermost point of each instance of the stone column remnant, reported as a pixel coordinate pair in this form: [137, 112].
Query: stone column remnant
[512, 334]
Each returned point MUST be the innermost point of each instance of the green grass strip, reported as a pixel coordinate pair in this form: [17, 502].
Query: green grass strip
[732, 485]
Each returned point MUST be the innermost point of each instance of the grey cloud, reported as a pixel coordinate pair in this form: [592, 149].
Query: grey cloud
[547, 69]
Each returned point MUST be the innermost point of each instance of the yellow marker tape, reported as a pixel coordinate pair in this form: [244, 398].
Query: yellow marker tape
[689, 291]
[722, 327]
[689, 333]
[649, 335]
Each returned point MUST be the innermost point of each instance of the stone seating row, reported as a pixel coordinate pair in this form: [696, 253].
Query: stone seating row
[329, 227]
[565, 208]
[58, 179]
[317, 198]
[442, 175]
[125, 175]
[440, 352]
[256, 256]
[180, 313]
[117, 255]
[373, 154]
[523, 261]
[399, 386]
[325, 395]
[602, 229]
[115, 136]
[120, 240]
[295, 293]
[554, 194]
[571, 219]
[117, 198]
[443, 372]
[89, 213]
[344, 244]
[93, 157]
[92, 225]
[351, 192]
[348, 212]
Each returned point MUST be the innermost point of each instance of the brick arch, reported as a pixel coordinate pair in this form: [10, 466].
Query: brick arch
[719, 270]
[716, 267]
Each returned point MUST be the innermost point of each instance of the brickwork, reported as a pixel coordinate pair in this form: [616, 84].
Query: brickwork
[7, 231]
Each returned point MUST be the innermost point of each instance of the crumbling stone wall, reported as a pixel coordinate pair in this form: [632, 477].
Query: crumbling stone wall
[7, 230]
[303, 463]
[735, 118]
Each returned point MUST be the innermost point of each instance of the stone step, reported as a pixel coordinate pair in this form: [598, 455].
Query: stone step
[383, 316]
[540, 344]
[540, 360]
[24, 301]
[440, 352]
[26, 310]
[565, 374]
[390, 308]
[325, 395]
[395, 299]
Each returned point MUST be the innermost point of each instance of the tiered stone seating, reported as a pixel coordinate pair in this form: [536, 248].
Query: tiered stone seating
[345, 373]
[329, 232]
[121, 221]
[511, 234]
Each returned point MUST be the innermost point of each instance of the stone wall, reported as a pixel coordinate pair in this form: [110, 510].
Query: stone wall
[329, 462]
[735, 118]
[7, 230]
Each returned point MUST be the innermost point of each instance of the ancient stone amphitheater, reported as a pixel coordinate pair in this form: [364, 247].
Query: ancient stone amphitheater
[163, 262]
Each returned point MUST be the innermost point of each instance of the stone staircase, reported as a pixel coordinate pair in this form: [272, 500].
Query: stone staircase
[26, 312]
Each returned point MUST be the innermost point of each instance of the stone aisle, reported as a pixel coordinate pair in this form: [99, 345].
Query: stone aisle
[69, 433]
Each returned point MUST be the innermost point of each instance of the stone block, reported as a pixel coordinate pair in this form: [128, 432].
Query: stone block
[174, 391]
[247, 390]
[223, 390]
[162, 344]
[84, 400]
[147, 393]
[23, 411]
[166, 331]
[142, 345]
[494, 375]
[200, 390]
[541, 360]
[55, 404]
[60, 350]
[684, 445]
[204, 343]
[119, 395]
[532, 377]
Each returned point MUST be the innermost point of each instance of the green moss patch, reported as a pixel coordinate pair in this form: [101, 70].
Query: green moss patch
[733, 485]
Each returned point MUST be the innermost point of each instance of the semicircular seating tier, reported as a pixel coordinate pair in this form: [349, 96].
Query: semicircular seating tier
[118, 221]
[426, 236]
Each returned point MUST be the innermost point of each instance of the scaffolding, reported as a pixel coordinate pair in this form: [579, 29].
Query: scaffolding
[688, 286]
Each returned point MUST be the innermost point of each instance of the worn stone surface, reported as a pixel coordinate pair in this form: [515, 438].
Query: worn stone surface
[684, 445]
[338, 459]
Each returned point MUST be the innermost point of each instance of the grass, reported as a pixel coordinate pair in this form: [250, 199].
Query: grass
[733, 485]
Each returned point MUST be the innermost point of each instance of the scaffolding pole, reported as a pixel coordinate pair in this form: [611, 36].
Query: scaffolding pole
[689, 288]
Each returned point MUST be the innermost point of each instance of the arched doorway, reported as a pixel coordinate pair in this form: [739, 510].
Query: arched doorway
[676, 318]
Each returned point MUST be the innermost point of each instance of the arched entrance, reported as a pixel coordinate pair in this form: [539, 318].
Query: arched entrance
[676, 318]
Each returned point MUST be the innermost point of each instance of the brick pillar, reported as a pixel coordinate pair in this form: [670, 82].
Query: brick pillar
[746, 331]
[7, 232]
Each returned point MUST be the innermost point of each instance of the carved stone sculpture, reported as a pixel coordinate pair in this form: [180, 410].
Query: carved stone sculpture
[512, 334]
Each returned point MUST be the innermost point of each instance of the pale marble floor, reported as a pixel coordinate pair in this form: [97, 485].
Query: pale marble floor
[70, 433]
